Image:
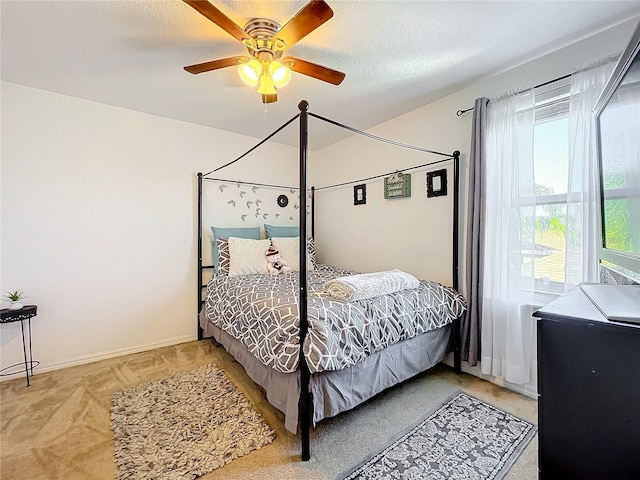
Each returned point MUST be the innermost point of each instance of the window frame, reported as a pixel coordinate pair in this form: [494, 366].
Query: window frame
[551, 102]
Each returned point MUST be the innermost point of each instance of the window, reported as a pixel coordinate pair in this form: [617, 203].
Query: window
[544, 203]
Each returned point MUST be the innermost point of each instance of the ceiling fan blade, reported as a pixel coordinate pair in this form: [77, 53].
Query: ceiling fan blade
[217, 17]
[269, 98]
[313, 70]
[314, 14]
[215, 64]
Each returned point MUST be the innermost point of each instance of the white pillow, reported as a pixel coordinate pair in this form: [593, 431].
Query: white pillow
[289, 248]
[248, 257]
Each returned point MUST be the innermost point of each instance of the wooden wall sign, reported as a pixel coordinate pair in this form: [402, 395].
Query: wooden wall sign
[397, 185]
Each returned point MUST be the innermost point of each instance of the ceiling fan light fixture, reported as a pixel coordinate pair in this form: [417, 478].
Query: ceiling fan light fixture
[250, 43]
[250, 72]
[279, 45]
[266, 85]
[266, 41]
[280, 73]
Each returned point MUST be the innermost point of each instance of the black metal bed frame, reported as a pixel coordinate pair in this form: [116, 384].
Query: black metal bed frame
[305, 399]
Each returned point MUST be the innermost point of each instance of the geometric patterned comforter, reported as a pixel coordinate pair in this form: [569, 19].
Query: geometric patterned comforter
[261, 311]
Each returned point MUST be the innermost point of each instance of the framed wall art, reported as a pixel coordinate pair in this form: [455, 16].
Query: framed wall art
[360, 194]
[437, 183]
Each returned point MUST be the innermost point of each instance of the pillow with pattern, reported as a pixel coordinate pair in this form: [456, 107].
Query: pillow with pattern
[311, 248]
[289, 249]
[223, 256]
[226, 232]
[248, 257]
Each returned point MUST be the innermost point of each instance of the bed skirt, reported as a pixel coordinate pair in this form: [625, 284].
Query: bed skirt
[338, 390]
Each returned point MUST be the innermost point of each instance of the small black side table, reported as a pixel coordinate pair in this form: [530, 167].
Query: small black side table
[25, 313]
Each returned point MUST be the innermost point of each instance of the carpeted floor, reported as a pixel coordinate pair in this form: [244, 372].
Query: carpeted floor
[59, 428]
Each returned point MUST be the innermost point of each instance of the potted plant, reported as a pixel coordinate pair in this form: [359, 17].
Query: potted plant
[15, 297]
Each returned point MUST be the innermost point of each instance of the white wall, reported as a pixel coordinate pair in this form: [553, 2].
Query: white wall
[423, 245]
[98, 207]
[382, 234]
[99, 222]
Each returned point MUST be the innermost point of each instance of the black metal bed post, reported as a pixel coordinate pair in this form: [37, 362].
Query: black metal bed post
[457, 350]
[200, 333]
[456, 215]
[313, 213]
[304, 407]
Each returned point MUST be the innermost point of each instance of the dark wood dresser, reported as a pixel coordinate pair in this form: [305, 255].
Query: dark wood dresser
[589, 392]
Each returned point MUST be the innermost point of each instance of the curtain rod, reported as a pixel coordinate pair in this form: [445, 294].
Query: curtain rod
[462, 112]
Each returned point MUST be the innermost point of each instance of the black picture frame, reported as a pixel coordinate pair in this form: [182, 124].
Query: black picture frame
[437, 183]
[360, 194]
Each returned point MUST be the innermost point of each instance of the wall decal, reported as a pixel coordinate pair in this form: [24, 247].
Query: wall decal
[262, 204]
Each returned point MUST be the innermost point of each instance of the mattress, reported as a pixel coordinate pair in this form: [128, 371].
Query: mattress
[261, 312]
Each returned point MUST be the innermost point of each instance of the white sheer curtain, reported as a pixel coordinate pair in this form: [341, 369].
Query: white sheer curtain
[507, 328]
[509, 298]
[581, 241]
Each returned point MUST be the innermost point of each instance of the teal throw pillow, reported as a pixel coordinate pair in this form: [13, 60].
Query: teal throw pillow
[274, 231]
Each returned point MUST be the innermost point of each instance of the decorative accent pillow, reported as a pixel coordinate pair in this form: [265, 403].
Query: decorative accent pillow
[311, 248]
[289, 249]
[248, 257]
[223, 256]
[226, 232]
[275, 231]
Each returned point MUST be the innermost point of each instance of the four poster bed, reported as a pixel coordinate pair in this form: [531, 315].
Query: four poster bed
[351, 350]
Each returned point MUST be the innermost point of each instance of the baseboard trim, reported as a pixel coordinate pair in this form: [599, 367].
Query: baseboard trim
[118, 352]
[527, 390]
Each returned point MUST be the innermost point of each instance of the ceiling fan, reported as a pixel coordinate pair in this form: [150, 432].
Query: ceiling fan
[266, 42]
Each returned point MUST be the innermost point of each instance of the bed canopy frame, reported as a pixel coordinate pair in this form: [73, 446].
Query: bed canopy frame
[305, 401]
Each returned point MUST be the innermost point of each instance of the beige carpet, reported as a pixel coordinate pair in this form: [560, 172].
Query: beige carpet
[59, 428]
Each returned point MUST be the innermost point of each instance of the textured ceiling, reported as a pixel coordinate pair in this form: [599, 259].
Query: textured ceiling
[397, 55]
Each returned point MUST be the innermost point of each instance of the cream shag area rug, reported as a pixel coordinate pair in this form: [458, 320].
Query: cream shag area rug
[184, 426]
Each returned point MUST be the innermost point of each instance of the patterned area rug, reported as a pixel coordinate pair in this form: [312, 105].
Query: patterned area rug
[465, 438]
[184, 426]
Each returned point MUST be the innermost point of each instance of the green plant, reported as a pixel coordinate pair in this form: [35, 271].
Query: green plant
[15, 296]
